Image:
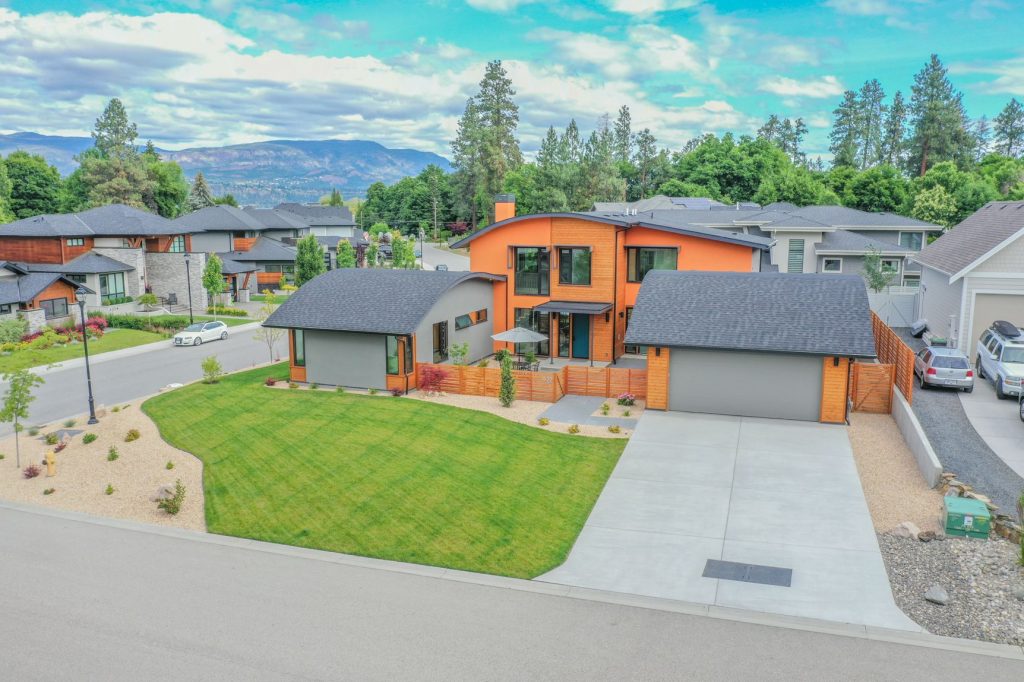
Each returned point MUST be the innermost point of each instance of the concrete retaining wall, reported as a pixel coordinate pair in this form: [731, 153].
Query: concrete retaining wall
[927, 461]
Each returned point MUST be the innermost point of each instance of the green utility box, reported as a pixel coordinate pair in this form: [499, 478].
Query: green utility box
[966, 517]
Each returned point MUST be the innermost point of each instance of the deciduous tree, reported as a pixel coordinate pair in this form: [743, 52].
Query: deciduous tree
[16, 401]
[309, 260]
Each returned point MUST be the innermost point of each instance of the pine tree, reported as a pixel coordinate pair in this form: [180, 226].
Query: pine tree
[466, 159]
[335, 199]
[938, 120]
[871, 110]
[199, 196]
[1009, 129]
[309, 259]
[623, 135]
[499, 117]
[843, 138]
[644, 159]
[892, 149]
[981, 137]
[114, 135]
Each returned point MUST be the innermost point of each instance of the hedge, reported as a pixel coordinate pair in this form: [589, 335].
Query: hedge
[168, 322]
[230, 312]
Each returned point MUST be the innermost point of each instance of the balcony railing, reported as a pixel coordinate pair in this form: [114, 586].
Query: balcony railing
[532, 283]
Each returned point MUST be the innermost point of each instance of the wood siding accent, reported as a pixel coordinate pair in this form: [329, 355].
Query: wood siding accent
[294, 373]
[601, 240]
[242, 243]
[268, 277]
[410, 378]
[891, 350]
[32, 250]
[834, 390]
[58, 289]
[657, 378]
[871, 387]
[601, 336]
[606, 382]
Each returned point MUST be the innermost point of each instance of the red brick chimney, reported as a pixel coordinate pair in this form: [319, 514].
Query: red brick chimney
[504, 207]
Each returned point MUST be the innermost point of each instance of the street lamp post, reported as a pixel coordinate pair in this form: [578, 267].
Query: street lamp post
[80, 297]
[188, 281]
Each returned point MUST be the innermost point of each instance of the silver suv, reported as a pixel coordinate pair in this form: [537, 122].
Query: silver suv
[1001, 358]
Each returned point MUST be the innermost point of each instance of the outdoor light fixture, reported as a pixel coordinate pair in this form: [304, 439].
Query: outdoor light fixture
[80, 294]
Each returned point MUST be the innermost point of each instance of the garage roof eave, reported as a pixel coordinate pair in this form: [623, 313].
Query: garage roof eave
[847, 353]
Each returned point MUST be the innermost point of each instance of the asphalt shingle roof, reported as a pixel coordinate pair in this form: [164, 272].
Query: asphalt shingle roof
[219, 218]
[233, 267]
[982, 231]
[817, 314]
[272, 218]
[90, 263]
[371, 300]
[264, 249]
[843, 216]
[24, 288]
[844, 240]
[113, 220]
[317, 214]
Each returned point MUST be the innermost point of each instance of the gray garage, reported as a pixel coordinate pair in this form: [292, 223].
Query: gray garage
[748, 384]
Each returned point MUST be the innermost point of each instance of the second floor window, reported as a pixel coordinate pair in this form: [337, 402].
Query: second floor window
[911, 240]
[574, 266]
[643, 259]
[532, 271]
[75, 241]
[177, 244]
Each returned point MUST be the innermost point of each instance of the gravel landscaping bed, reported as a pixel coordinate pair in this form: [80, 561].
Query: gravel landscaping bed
[982, 578]
[958, 446]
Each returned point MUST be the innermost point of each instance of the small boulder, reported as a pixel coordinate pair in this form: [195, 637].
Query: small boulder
[937, 595]
[1018, 592]
[164, 492]
[926, 535]
[907, 529]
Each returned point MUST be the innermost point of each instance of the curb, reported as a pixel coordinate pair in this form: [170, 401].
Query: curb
[906, 638]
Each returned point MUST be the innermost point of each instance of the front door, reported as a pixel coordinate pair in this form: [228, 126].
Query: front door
[580, 335]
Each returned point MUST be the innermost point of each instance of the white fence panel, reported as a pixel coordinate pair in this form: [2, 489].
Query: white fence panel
[897, 306]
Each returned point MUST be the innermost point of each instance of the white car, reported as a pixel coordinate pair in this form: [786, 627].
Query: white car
[195, 334]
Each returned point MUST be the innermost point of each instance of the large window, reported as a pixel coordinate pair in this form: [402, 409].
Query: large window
[643, 259]
[912, 240]
[538, 322]
[75, 241]
[393, 345]
[300, 348]
[532, 271]
[177, 244]
[440, 341]
[286, 268]
[832, 265]
[796, 256]
[112, 288]
[55, 307]
[77, 279]
[470, 319]
[574, 266]
[891, 265]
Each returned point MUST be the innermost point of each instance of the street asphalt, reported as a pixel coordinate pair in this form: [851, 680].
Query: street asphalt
[433, 256]
[120, 376]
[87, 600]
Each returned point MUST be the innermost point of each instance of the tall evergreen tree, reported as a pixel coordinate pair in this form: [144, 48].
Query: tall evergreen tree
[6, 214]
[1008, 132]
[335, 199]
[499, 116]
[114, 135]
[199, 196]
[644, 159]
[981, 137]
[871, 110]
[845, 129]
[623, 135]
[893, 145]
[938, 120]
[466, 159]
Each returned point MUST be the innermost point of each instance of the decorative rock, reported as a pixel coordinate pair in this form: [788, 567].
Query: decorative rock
[937, 595]
[164, 492]
[907, 529]
[1019, 593]
[952, 492]
[926, 535]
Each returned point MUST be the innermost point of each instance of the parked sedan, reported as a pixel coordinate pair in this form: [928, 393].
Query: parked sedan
[938, 366]
[196, 334]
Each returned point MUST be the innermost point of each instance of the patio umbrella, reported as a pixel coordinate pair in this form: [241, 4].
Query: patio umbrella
[519, 335]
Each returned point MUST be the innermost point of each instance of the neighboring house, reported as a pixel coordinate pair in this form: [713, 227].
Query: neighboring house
[973, 275]
[662, 202]
[324, 221]
[369, 328]
[40, 298]
[141, 251]
[268, 258]
[574, 276]
[752, 344]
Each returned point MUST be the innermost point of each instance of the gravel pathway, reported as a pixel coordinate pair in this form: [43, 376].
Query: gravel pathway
[959, 447]
[981, 577]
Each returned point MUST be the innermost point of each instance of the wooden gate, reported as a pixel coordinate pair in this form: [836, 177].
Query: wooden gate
[871, 387]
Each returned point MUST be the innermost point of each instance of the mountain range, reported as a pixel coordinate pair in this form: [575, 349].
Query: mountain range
[263, 173]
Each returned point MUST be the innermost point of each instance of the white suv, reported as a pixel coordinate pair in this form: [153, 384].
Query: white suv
[1001, 358]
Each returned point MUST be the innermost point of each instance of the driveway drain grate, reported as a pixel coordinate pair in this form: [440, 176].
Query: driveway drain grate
[748, 573]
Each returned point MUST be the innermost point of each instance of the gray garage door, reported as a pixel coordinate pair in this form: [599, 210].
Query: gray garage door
[745, 384]
[991, 307]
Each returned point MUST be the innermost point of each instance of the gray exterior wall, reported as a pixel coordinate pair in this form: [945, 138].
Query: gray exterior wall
[346, 359]
[166, 274]
[774, 385]
[135, 281]
[459, 300]
[939, 300]
[211, 241]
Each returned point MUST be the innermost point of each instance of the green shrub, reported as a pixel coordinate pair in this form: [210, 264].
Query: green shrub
[543, 421]
[314, 386]
[292, 384]
[507, 392]
[574, 428]
[113, 454]
[2, 455]
[133, 434]
[49, 491]
[372, 391]
[614, 428]
[51, 439]
[229, 312]
[172, 504]
[212, 370]
[340, 389]
[11, 331]
[69, 423]
[115, 408]
[88, 438]
[170, 465]
[33, 431]
[165, 323]
[109, 490]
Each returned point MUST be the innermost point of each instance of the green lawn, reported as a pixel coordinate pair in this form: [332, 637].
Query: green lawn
[386, 477]
[115, 339]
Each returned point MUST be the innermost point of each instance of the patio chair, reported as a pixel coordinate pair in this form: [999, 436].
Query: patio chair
[172, 299]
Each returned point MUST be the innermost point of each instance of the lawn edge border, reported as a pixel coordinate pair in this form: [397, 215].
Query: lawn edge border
[906, 638]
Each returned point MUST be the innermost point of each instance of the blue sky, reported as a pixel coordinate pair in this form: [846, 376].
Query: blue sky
[196, 72]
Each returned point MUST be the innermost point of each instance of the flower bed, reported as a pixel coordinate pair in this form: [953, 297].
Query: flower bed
[52, 336]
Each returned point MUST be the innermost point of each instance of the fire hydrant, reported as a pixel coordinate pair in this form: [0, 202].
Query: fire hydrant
[51, 464]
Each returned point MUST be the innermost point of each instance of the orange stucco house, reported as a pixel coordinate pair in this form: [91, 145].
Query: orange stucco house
[575, 276]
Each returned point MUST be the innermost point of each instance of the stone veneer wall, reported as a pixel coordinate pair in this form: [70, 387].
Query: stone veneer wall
[166, 275]
[36, 319]
[134, 282]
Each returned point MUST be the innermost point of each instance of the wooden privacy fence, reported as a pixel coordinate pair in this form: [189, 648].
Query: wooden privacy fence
[892, 351]
[549, 387]
[871, 387]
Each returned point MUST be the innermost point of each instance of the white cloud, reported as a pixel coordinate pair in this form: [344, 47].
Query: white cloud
[275, 24]
[645, 7]
[1007, 76]
[688, 93]
[792, 53]
[825, 86]
[894, 11]
[497, 5]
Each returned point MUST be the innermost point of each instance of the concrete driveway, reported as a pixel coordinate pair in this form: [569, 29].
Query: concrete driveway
[690, 488]
[997, 422]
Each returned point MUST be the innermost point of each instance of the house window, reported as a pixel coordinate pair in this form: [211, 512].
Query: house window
[796, 256]
[470, 319]
[5, 309]
[891, 265]
[177, 244]
[300, 348]
[643, 259]
[440, 341]
[112, 288]
[392, 345]
[76, 241]
[538, 322]
[574, 266]
[832, 265]
[327, 260]
[912, 240]
[55, 307]
[532, 271]
[77, 279]
[912, 280]
[635, 350]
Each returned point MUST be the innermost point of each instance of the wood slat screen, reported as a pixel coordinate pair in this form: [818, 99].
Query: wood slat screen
[893, 351]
